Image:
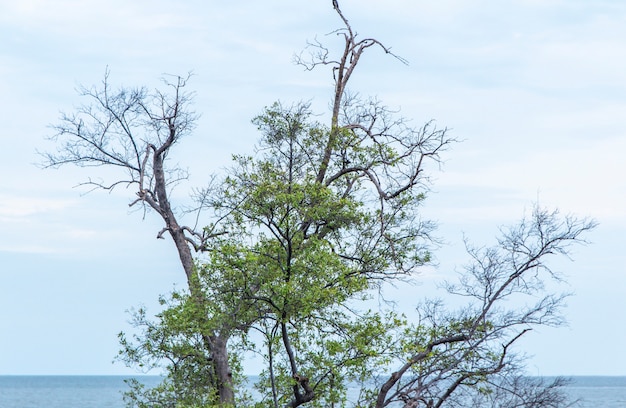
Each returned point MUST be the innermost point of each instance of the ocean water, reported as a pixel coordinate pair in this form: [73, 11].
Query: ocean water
[105, 391]
[64, 391]
[599, 392]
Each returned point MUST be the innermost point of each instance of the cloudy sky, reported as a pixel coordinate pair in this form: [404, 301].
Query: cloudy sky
[535, 89]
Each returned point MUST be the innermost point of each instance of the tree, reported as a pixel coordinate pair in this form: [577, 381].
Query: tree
[299, 235]
[319, 242]
[133, 130]
[450, 359]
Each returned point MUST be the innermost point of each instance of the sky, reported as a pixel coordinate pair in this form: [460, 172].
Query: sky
[535, 90]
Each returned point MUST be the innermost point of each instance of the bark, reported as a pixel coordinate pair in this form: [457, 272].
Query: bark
[171, 223]
[223, 372]
[218, 345]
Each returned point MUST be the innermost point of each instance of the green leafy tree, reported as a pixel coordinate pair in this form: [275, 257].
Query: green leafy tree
[319, 244]
[299, 236]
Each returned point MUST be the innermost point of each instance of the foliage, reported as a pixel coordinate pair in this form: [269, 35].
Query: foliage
[300, 235]
[300, 255]
[173, 344]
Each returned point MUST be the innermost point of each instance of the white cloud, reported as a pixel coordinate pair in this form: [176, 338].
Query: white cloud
[28, 249]
[15, 207]
[66, 16]
[40, 225]
[585, 180]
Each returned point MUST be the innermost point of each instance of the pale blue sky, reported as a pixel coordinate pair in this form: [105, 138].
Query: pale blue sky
[536, 89]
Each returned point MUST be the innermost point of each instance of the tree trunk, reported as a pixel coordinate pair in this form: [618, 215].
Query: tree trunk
[222, 371]
[217, 344]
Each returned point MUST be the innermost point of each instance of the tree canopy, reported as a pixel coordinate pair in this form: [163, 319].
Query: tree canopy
[298, 237]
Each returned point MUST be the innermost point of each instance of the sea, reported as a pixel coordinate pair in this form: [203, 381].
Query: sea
[106, 391]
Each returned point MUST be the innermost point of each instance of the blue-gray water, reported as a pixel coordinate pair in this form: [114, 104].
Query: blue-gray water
[105, 391]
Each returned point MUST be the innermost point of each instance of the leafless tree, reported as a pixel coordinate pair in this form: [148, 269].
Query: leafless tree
[132, 131]
[468, 355]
